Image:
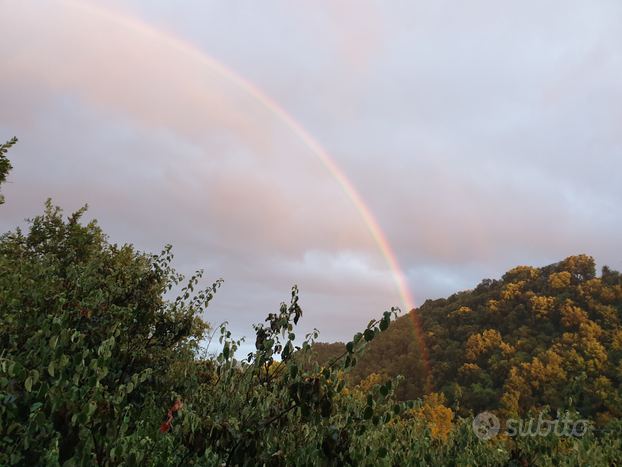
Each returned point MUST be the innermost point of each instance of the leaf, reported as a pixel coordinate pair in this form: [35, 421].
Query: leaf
[350, 347]
[368, 335]
[82, 418]
[384, 391]
[64, 359]
[382, 452]
[35, 406]
[14, 368]
[111, 432]
[368, 413]
[43, 390]
[28, 384]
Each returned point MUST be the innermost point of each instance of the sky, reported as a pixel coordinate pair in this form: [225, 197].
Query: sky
[375, 153]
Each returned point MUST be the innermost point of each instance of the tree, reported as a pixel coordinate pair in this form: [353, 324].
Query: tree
[87, 341]
[5, 165]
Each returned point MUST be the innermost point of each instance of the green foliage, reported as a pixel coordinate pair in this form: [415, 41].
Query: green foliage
[86, 340]
[97, 368]
[538, 339]
[5, 165]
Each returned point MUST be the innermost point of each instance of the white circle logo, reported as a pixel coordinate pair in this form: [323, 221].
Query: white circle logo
[486, 425]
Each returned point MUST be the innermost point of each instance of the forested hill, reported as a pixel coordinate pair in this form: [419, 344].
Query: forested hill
[538, 338]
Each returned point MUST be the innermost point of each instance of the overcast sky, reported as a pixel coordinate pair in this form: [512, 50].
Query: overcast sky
[480, 134]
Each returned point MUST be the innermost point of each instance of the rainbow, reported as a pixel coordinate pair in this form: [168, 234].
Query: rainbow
[196, 54]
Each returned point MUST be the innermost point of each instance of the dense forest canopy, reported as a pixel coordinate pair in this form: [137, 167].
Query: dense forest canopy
[538, 338]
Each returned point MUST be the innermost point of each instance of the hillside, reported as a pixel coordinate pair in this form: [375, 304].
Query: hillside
[538, 338]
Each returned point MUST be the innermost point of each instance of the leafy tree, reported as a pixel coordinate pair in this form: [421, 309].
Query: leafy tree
[538, 339]
[86, 341]
[5, 165]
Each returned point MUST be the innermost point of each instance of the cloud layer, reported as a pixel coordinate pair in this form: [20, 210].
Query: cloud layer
[480, 136]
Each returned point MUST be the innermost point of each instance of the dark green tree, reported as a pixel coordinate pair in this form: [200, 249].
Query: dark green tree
[5, 165]
[87, 341]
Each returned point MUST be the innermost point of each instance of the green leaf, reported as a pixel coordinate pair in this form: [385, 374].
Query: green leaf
[384, 391]
[43, 390]
[35, 406]
[350, 347]
[368, 413]
[368, 335]
[64, 359]
[382, 452]
[28, 384]
[12, 427]
[82, 418]
[111, 432]
[14, 368]
[384, 324]
[293, 371]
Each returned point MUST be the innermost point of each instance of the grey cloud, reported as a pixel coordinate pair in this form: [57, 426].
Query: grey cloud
[482, 136]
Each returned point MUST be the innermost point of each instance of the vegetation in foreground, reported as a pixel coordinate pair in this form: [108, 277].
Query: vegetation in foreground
[97, 368]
